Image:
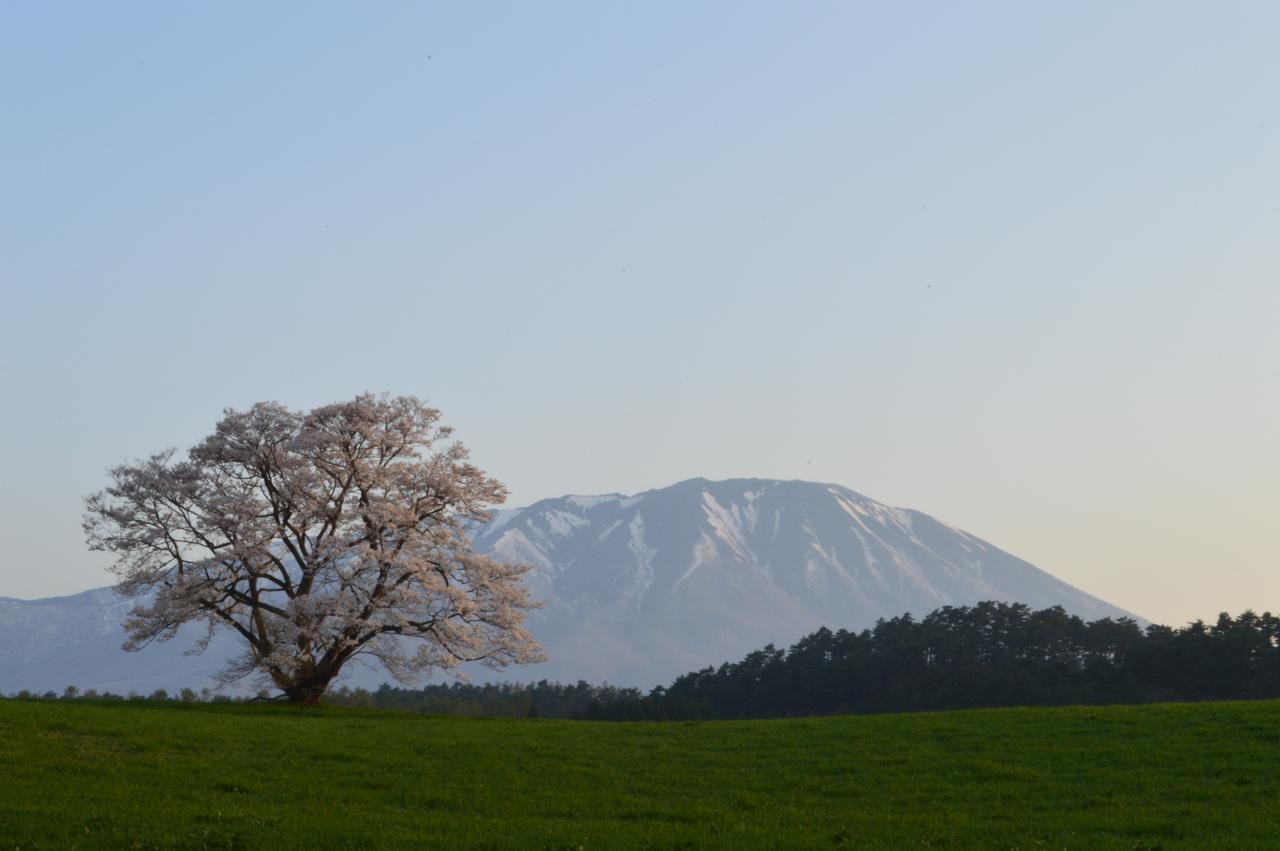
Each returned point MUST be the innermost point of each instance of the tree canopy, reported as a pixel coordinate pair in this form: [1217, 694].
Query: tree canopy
[318, 538]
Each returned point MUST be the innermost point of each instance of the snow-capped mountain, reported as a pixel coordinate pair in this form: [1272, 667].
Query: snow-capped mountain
[637, 589]
[642, 588]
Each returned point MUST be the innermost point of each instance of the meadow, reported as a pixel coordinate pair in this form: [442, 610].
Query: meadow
[148, 775]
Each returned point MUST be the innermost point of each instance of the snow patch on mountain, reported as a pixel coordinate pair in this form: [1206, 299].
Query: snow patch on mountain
[588, 502]
[642, 579]
[563, 523]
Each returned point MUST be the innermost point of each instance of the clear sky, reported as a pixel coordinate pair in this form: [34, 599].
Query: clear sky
[1013, 264]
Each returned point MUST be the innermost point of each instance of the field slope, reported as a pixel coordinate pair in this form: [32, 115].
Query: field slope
[146, 775]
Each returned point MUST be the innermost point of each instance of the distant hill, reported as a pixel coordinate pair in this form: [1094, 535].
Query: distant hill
[638, 589]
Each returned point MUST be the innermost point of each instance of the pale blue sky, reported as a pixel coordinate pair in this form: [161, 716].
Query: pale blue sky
[1012, 264]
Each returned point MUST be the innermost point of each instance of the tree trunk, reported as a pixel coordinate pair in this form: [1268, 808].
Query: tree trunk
[307, 692]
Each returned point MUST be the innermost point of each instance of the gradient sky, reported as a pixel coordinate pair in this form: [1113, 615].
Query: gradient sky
[1012, 264]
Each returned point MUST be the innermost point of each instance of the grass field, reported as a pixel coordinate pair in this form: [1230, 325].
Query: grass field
[142, 775]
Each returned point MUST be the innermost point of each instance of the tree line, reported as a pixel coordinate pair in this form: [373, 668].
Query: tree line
[986, 655]
[542, 699]
[483, 700]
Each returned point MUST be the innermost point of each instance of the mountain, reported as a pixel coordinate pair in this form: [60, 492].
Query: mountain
[637, 589]
[642, 588]
[60, 641]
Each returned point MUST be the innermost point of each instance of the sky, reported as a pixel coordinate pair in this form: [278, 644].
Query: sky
[1015, 265]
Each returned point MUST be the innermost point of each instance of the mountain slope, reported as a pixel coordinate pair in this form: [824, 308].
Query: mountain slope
[55, 642]
[637, 589]
[642, 588]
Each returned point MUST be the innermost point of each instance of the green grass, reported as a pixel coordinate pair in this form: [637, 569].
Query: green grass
[152, 775]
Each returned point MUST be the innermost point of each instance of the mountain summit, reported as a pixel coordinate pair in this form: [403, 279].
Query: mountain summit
[637, 589]
[642, 588]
